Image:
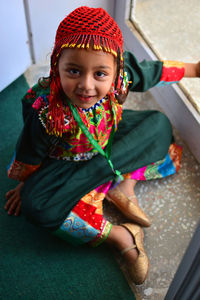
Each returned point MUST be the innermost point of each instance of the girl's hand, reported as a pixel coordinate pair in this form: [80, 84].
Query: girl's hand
[192, 69]
[198, 69]
[13, 204]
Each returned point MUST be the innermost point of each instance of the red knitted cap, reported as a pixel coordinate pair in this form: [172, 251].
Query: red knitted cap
[86, 23]
[83, 28]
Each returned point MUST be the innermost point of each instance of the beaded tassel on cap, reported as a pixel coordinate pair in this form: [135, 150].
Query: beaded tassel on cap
[83, 28]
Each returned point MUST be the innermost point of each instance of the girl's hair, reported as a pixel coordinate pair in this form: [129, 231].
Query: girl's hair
[119, 81]
[44, 82]
[83, 28]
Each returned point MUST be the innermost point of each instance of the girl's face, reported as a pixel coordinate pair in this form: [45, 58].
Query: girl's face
[86, 75]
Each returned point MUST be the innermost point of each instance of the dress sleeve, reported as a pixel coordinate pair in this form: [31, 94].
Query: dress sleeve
[147, 74]
[32, 146]
[173, 72]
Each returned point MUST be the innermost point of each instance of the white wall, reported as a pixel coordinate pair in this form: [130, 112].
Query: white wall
[45, 16]
[14, 50]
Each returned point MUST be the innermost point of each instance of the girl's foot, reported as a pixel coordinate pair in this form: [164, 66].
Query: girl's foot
[123, 197]
[13, 204]
[121, 239]
[128, 239]
[139, 270]
[127, 188]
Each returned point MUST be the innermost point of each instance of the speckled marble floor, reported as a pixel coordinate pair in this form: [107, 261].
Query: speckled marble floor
[172, 203]
[173, 34]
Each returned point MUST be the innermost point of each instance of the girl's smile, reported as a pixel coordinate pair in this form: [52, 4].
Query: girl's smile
[86, 75]
[85, 98]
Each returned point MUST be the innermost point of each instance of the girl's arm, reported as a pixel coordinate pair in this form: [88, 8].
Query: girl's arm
[146, 74]
[192, 69]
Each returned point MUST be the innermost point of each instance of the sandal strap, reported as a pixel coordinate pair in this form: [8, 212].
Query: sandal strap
[128, 249]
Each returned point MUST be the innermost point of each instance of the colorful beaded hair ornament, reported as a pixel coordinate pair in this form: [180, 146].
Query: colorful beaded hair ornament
[83, 28]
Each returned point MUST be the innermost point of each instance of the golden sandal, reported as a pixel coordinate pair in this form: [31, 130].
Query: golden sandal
[138, 271]
[128, 208]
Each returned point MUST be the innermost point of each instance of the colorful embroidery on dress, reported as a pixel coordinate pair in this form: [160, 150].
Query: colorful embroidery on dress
[30, 94]
[40, 102]
[167, 166]
[77, 228]
[74, 145]
[173, 72]
[103, 234]
[20, 171]
[85, 223]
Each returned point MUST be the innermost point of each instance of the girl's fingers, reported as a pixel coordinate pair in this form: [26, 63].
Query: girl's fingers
[8, 203]
[9, 194]
[12, 208]
[12, 199]
[18, 209]
[14, 191]
[12, 205]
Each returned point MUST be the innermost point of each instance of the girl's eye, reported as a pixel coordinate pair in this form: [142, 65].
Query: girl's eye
[73, 72]
[100, 74]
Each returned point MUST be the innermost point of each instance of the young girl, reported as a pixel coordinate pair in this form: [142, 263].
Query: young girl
[77, 147]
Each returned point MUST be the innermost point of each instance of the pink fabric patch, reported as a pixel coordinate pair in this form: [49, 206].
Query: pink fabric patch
[139, 174]
[104, 188]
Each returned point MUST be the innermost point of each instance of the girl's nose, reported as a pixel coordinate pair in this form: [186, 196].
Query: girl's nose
[86, 82]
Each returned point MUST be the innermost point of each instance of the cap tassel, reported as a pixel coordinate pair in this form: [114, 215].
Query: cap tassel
[55, 116]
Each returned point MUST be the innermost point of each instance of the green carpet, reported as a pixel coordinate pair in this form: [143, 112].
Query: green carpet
[33, 263]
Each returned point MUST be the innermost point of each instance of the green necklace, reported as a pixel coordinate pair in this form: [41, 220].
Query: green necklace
[117, 174]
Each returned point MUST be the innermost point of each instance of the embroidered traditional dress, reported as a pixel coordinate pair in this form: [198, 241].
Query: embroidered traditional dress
[66, 179]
